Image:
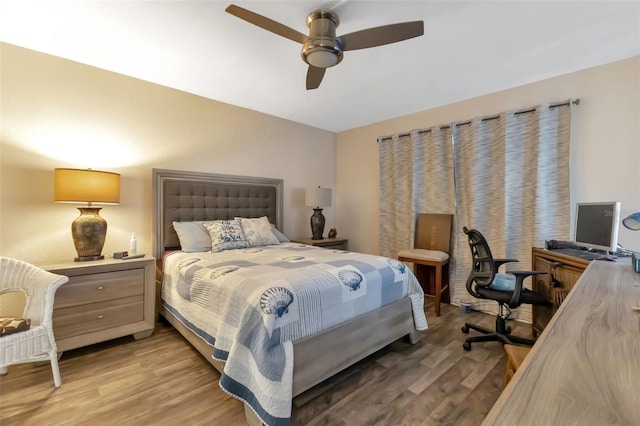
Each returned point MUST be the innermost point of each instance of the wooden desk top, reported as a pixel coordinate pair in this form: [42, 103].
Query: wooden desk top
[585, 367]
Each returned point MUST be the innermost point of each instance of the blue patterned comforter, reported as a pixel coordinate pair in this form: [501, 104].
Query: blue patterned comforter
[251, 304]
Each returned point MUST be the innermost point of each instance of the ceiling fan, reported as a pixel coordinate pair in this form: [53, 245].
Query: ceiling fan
[321, 49]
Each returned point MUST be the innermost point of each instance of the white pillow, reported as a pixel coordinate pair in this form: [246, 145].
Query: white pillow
[193, 236]
[258, 231]
[226, 234]
[279, 235]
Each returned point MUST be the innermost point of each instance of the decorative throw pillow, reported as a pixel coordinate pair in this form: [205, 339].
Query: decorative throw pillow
[226, 234]
[193, 236]
[279, 235]
[503, 282]
[258, 231]
[10, 325]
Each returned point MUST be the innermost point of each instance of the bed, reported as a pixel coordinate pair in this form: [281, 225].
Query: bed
[182, 196]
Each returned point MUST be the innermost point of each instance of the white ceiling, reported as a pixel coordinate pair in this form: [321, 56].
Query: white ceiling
[469, 48]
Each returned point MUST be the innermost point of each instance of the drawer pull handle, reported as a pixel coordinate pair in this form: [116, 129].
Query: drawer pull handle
[100, 288]
[100, 316]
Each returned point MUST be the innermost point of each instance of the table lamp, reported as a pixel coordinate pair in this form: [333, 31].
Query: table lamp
[632, 221]
[89, 230]
[317, 198]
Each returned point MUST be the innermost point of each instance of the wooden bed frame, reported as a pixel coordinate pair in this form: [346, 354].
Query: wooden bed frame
[350, 341]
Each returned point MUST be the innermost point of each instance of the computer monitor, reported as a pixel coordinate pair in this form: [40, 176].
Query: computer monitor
[596, 225]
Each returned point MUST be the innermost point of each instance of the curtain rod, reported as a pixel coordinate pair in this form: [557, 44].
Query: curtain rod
[575, 102]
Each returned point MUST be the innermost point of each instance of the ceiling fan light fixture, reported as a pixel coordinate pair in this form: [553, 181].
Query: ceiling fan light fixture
[321, 55]
[322, 49]
[322, 59]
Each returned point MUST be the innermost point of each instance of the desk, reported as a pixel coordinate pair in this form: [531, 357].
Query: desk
[566, 270]
[585, 367]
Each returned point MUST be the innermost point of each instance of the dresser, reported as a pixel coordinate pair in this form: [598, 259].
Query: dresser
[562, 273]
[103, 300]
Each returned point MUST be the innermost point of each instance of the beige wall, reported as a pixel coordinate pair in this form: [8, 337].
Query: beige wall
[605, 148]
[58, 113]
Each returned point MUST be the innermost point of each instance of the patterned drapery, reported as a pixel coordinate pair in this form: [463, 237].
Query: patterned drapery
[512, 184]
[511, 175]
[416, 176]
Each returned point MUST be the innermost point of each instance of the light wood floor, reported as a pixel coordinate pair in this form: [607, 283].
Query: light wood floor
[162, 381]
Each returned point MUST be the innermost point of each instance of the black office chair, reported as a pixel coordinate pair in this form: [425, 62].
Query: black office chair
[508, 291]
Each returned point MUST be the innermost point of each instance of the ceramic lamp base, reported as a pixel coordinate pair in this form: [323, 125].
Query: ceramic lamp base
[89, 232]
[317, 224]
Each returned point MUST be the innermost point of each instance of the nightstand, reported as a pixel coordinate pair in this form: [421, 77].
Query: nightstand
[328, 243]
[103, 300]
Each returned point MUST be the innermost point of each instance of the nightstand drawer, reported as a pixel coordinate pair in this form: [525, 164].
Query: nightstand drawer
[82, 319]
[334, 246]
[327, 243]
[83, 289]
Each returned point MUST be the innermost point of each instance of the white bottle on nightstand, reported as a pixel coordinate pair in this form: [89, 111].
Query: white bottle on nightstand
[133, 246]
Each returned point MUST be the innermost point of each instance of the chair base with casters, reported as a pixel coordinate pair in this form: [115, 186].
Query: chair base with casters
[37, 343]
[502, 333]
[484, 282]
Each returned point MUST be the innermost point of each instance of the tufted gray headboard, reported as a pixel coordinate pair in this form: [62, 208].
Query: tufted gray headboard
[189, 196]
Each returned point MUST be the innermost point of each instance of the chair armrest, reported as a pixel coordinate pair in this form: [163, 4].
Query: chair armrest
[517, 290]
[525, 274]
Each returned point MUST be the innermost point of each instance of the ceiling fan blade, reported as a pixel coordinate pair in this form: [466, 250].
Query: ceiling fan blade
[314, 77]
[379, 36]
[266, 23]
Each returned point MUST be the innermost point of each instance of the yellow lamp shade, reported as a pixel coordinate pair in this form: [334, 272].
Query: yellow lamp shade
[86, 186]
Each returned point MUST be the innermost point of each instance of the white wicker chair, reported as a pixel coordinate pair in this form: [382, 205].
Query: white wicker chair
[37, 343]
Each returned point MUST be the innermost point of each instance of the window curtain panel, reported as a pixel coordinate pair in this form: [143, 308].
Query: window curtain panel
[416, 176]
[512, 184]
